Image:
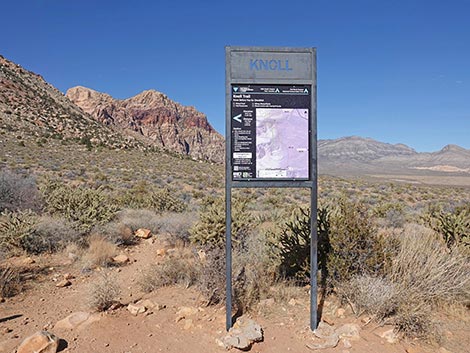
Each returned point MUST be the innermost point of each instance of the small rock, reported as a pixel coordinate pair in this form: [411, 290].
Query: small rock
[292, 302]
[121, 259]
[68, 276]
[390, 336]
[346, 343]
[188, 324]
[366, 319]
[63, 283]
[324, 330]
[328, 342]
[202, 255]
[28, 261]
[143, 233]
[184, 312]
[242, 335]
[136, 309]
[349, 331]
[40, 342]
[443, 350]
[267, 302]
[161, 252]
[340, 312]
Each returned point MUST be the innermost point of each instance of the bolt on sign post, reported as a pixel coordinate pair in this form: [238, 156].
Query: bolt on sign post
[271, 134]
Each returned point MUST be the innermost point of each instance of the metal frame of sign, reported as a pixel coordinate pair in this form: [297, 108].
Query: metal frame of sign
[242, 68]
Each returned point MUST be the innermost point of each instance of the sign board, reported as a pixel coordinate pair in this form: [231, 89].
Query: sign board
[270, 134]
[271, 116]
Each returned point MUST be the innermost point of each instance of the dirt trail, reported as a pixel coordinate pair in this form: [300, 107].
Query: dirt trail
[41, 305]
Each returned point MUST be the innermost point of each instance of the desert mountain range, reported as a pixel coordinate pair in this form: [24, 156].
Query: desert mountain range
[31, 107]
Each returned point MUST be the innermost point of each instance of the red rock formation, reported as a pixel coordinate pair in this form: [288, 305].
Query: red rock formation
[153, 115]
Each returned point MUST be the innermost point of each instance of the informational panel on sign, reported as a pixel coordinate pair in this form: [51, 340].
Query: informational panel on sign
[270, 128]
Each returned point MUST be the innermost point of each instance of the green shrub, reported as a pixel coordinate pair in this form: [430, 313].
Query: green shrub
[356, 248]
[348, 244]
[83, 207]
[453, 226]
[210, 229]
[294, 244]
[145, 196]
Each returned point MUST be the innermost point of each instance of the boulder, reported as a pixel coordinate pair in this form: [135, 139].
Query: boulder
[40, 342]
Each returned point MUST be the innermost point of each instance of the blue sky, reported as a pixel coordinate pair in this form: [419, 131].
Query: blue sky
[396, 71]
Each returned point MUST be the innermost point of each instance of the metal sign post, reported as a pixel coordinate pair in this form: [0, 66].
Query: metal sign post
[271, 135]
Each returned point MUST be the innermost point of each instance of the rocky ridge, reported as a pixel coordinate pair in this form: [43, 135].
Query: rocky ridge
[31, 108]
[152, 115]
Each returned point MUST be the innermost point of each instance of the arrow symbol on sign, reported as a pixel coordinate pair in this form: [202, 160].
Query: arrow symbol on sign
[238, 118]
[235, 89]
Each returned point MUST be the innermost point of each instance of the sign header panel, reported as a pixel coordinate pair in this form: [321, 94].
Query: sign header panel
[270, 132]
[281, 65]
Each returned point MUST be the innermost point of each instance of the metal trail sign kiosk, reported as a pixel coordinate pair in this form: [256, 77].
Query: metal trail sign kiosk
[271, 134]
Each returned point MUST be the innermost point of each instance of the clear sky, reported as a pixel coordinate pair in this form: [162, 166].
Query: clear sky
[396, 71]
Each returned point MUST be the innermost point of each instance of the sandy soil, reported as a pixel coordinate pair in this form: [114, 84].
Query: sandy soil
[41, 305]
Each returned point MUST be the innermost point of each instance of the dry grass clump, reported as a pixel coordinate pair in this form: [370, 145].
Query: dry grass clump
[51, 234]
[104, 293]
[427, 270]
[18, 192]
[117, 233]
[100, 252]
[141, 218]
[181, 268]
[424, 275]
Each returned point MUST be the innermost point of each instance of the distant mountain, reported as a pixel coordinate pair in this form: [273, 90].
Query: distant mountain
[358, 155]
[359, 149]
[156, 118]
[32, 108]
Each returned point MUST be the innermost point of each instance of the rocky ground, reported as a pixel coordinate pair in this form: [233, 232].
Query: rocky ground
[56, 298]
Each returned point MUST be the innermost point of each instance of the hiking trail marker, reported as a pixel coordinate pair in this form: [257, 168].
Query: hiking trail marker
[271, 135]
